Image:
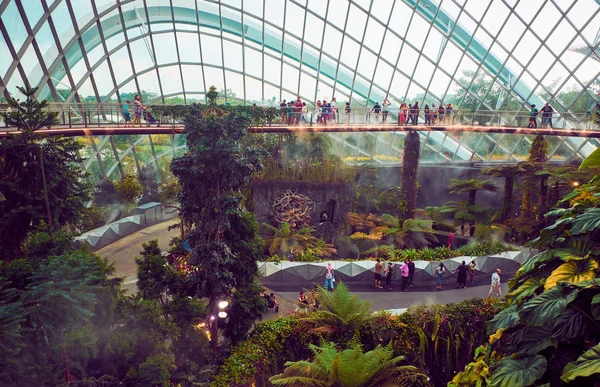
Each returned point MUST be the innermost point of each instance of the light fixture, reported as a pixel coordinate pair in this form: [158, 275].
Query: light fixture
[222, 314]
[575, 184]
[212, 318]
[223, 304]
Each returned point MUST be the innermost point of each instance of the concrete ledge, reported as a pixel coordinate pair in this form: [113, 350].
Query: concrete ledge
[304, 274]
[103, 236]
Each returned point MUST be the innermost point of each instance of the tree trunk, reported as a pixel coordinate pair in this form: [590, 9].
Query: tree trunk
[410, 165]
[509, 184]
[472, 194]
[543, 196]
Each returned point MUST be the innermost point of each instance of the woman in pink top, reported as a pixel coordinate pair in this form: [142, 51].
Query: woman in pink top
[329, 277]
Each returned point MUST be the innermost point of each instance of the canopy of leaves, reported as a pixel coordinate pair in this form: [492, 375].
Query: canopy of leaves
[22, 204]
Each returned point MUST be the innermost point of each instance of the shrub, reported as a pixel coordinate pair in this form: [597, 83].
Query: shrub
[439, 339]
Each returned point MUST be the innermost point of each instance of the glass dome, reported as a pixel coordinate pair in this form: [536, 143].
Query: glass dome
[478, 55]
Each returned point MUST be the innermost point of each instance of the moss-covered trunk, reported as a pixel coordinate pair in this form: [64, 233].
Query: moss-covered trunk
[410, 164]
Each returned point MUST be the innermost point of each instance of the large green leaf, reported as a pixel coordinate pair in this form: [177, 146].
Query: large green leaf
[518, 372]
[547, 306]
[586, 365]
[531, 263]
[531, 340]
[505, 319]
[570, 325]
[526, 289]
[588, 221]
[596, 306]
[592, 161]
[572, 271]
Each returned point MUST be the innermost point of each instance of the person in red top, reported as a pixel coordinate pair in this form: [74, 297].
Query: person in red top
[298, 110]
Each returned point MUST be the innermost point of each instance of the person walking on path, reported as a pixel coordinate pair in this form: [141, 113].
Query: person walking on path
[533, 117]
[547, 113]
[462, 275]
[329, 279]
[441, 269]
[472, 272]
[378, 271]
[404, 272]
[411, 273]
[389, 273]
[495, 286]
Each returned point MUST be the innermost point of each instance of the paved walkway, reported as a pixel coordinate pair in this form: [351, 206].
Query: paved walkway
[124, 251]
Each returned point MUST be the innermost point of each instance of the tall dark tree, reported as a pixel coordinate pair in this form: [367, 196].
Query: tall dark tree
[510, 173]
[410, 165]
[39, 177]
[211, 176]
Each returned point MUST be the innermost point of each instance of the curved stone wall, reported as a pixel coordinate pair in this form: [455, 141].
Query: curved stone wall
[304, 274]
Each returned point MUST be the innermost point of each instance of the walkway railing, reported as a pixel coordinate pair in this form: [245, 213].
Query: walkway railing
[76, 115]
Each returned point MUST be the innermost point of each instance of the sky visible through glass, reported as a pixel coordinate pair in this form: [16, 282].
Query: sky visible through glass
[476, 54]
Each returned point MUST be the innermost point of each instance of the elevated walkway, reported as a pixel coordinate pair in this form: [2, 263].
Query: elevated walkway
[106, 130]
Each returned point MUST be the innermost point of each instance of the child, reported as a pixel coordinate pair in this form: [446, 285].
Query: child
[388, 276]
[126, 114]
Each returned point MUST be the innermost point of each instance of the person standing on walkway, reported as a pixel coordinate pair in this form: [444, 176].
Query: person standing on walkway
[441, 269]
[416, 111]
[347, 110]
[329, 279]
[449, 114]
[385, 105]
[411, 273]
[462, 275]
[126, 115]
[533, 117]
[138, 111]
[333, 110]
[472, 271]
[376, 109]
[404, 273]
[547, 113]
[441, 112]
[427, 112]
[389, 273]
[495, 286]
[378, 271]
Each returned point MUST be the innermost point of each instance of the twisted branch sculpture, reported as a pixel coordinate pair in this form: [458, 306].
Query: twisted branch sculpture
[293, 208]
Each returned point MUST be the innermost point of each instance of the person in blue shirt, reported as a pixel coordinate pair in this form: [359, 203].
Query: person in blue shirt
[533, 117]
[126, 115]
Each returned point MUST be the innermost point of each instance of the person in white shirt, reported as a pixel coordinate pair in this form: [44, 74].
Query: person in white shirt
[495, 286]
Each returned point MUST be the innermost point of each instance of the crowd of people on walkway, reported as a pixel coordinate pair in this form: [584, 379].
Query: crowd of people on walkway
[464, 273]
[326, 112]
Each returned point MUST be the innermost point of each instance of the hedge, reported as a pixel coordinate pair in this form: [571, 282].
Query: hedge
[439, 339]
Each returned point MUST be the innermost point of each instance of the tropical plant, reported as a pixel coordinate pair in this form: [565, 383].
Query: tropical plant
[472, 186]
[40, 179]
[410, 166]
[285, 241]
[212, 176]
[350, 368]
[464, 213]
[409, 233]
[550, 329]
[129, 190]
[509, 173]
[339, 311]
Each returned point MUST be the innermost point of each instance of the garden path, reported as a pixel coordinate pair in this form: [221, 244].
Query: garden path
[123, 252]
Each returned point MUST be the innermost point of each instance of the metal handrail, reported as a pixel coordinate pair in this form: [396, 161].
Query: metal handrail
[111, 114]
